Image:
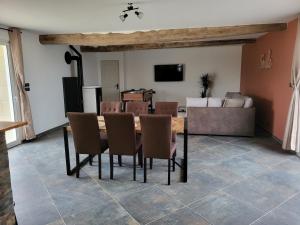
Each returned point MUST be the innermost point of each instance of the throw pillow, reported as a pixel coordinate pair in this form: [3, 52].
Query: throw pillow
[196, 102]
[215, 102]
[234, 102]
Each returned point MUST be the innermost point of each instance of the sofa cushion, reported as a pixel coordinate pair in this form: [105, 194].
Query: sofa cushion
[196, 102]
[248, 102]
[215, 102]
[233, 95]
[234, 102]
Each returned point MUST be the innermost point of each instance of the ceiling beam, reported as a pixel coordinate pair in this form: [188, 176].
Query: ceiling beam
[159, 36]
[121, 48]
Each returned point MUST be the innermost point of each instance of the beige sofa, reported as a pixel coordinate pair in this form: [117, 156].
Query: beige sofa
[233, 121]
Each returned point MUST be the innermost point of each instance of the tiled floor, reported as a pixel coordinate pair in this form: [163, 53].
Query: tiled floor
[232, 181]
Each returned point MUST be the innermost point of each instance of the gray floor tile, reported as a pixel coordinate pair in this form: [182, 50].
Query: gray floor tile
[150, 204]
[70, 202]
[222, 209]
[36, 212]
[285, 214]
[181, 216]
[243, 166]
[256, 174]
[200, 184]
[260, 194]
[102, 214]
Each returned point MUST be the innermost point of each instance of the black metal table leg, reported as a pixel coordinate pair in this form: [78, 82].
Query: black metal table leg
[67, 155]
[185, 151]
[67, 152]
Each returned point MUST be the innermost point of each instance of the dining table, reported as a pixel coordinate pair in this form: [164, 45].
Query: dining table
[179, 126]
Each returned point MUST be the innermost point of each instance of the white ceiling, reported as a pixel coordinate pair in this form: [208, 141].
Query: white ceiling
[83, 16]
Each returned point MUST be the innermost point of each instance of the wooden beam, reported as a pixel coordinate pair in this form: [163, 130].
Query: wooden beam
[159, 36]
[121, 48]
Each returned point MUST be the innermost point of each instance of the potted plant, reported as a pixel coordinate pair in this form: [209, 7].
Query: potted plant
[205, 84]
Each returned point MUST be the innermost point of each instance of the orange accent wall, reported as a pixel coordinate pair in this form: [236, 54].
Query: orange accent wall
[270, 87]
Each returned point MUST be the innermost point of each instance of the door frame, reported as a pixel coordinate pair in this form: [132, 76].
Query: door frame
[14, 94]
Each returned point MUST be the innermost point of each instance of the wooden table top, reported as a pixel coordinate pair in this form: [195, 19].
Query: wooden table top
[5, 125]
[177, 124]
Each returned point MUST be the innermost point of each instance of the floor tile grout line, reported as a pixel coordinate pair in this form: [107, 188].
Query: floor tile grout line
[271, 210]
[227, 186]
[165, 215]
[52, 200]
[113, 198]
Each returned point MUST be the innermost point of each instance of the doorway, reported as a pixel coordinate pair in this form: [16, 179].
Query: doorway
[110, 80]
[8, 98]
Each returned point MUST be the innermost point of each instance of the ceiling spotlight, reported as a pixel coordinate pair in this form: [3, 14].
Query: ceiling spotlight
[139, 14]
[123, 17]
[130, 7]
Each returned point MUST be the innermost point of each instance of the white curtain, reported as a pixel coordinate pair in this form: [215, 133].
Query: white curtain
[17, 60]
[291, 139]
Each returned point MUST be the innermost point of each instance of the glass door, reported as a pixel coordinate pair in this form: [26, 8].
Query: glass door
[8, 99]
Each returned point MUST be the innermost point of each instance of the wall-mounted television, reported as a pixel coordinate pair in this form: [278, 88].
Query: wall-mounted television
[165, 73]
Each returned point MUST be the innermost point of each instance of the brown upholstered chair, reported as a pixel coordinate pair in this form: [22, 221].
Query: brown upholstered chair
[166, 108]
[137, 107]
[122, 138]
[87, 137]
[157, 140]
[113, 107]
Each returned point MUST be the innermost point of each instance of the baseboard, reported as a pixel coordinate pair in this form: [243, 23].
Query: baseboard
[45, 133]
[269, 133]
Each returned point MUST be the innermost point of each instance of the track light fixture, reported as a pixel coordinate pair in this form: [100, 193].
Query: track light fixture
[130, 7]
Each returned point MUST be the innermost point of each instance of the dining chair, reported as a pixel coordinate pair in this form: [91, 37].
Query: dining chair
[157, 140]
[87, 137]
[167, 108]
[122, 138]
[113, 107]
[137, 108]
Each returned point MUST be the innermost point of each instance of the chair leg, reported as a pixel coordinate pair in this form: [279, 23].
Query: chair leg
[91, 160]
[77, 165]
[111, 163]
[174, 157]
[151, 163]
[140, 158]
[120, 160]
[145, 170]
[134, 167]
[99, 166]
[169, 171]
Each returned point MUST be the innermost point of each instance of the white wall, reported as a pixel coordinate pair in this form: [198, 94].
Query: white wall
[224, 63]
[44, 67]
[90, 69]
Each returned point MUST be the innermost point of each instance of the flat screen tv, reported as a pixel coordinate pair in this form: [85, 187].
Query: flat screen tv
[165, 73]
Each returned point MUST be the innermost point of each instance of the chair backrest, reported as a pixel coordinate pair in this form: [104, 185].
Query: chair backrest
[137, 108]
[156, 135]
[86, 134]
[167, 108]
[121, 133]
[110, 107]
